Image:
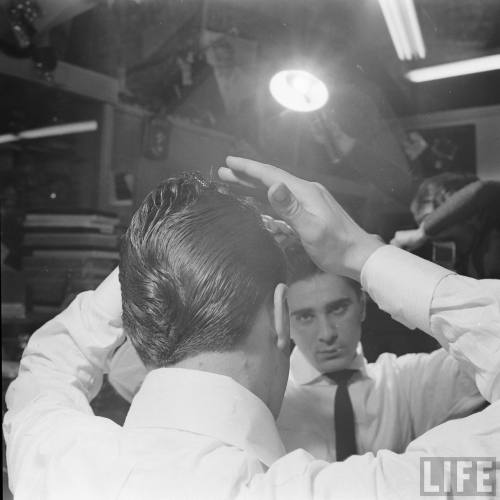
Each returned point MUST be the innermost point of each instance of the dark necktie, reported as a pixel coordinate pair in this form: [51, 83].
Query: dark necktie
[345, 438]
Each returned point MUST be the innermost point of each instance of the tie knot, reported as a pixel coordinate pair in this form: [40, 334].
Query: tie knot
[341, 376]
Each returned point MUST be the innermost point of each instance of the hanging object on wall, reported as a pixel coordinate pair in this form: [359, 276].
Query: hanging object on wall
[185, 63]
[156, 137]
[22, 14]
[233, 61]
[27, 40]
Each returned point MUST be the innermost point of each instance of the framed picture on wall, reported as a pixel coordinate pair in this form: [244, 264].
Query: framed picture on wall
[436, 150]
[156, 138]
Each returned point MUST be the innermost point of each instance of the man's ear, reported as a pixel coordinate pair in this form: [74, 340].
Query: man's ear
[281, 318]
[362, 300]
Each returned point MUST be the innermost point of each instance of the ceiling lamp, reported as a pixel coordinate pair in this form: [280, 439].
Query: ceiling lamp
[54, 130]
[298, 90]
[457, 68]
[402, 22]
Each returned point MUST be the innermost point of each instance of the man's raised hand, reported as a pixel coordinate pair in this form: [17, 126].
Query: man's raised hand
[332, 239]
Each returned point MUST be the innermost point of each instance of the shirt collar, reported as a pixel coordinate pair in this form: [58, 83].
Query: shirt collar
[208, 404]
[303, 372]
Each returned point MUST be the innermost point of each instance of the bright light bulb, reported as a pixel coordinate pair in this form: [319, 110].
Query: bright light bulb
[298, 90]
[300, 83]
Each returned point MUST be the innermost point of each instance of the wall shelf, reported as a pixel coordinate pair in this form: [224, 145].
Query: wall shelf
[67, 77]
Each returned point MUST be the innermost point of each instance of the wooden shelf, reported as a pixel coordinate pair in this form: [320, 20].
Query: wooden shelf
[67, 77]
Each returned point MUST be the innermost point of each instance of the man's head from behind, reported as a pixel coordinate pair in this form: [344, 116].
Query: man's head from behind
[326, 312]
[198, 274]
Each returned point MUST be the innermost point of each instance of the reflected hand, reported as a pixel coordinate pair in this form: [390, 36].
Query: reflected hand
[332, 239]
[409, 239]
[283, 234]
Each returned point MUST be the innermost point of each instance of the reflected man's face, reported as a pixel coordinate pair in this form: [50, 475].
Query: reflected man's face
[326, 313]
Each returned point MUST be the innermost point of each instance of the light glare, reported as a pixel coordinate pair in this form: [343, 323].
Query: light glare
[298, 90]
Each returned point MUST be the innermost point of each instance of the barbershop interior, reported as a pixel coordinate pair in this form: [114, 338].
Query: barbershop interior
[392, 105]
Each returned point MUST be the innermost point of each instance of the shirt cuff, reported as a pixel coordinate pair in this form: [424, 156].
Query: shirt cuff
[108, 296]
[402, 284]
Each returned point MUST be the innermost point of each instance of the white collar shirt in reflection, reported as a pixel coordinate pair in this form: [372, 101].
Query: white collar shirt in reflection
[395, 400]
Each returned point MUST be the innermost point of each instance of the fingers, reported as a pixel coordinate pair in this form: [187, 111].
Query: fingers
[276, 225]
[284, 228]
[282, 233]
[405, 245]
[227, 175]
[253, 172]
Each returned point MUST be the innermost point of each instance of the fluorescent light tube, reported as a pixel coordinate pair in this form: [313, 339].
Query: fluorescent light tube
[416, 39]
[54, 130]
[68, 128]
[457, 68]
[402, 23]
[5, 138]
[396, 29]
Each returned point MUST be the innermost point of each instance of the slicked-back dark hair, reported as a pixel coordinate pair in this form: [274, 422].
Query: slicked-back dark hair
[196, 265]
[301, 267]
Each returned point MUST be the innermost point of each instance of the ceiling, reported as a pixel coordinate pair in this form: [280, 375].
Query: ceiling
[171, 56]
[347, 38]
[353, 35]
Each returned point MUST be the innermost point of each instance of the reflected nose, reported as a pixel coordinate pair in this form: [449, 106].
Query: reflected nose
[328, 330]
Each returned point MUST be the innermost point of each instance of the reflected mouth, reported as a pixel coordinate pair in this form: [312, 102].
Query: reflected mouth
[331, 353]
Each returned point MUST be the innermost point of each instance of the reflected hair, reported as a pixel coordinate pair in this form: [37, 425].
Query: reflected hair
[300, 267]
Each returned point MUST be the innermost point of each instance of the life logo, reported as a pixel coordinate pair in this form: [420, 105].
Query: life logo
[458, 476]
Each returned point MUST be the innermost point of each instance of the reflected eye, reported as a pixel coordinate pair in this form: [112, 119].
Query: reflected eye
[339, 308]
[304, 318]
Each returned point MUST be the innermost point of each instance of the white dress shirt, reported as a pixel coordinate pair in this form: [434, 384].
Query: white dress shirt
[395, 400]
[197, 435]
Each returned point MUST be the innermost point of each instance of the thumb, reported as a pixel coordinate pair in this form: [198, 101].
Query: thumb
[282, 200]
[288, 207]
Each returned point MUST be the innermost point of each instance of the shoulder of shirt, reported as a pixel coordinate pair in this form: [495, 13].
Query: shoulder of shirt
[386, 363]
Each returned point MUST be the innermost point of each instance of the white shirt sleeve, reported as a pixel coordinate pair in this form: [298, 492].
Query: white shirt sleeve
[60, 372]
[436, 388]
[386, 475]
[51, 432]
[463, 314]
[69, 354]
